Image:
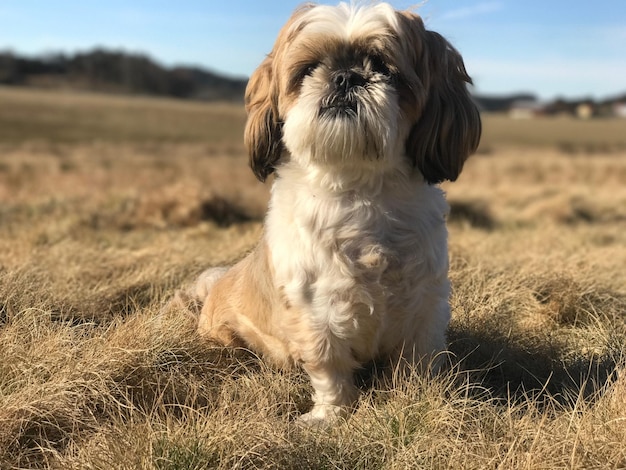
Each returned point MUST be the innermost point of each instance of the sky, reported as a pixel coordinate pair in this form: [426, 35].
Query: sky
[552, 48]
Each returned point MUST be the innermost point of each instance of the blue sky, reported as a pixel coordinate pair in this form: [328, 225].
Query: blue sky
[570, 48]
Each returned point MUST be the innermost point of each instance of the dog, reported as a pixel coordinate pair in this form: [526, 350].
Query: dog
[359, 112]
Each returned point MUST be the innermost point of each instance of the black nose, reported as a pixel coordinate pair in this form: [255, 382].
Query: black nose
[345, 80]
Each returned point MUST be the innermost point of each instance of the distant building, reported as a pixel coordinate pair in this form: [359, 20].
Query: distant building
[525, 109]
[619, 110]
[585, 110]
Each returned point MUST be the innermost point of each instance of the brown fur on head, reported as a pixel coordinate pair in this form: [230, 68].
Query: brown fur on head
[263, 133]
[442, 122]
[448, 127]
[263, 130]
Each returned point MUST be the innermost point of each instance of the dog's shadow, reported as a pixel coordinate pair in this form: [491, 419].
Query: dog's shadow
[524, 373]
[503, 369]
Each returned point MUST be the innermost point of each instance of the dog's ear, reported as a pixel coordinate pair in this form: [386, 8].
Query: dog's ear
[447, 130]
[263, 133]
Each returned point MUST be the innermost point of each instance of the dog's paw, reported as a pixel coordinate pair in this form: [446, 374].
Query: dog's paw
[323, 416]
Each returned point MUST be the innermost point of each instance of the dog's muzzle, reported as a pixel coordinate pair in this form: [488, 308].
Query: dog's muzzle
[343, 100]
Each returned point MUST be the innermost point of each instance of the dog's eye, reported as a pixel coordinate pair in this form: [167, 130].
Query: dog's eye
[379, 65]
[295, 80]
[307, 70]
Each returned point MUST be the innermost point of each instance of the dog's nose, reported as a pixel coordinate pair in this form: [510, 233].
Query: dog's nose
[345, 80]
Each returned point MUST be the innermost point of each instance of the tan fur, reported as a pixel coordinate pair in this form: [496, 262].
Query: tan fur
[243, 307]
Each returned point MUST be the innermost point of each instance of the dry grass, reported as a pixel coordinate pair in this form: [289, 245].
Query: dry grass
[569, 135]
[28, 114]
[97, 233]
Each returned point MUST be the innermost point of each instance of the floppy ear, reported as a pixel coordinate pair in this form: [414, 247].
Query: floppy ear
[263, 134]
[448, 128]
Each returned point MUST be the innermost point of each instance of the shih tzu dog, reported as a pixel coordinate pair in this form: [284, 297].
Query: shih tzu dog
[359, 111]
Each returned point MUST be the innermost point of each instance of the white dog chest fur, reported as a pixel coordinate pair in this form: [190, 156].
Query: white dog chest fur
[354, 259]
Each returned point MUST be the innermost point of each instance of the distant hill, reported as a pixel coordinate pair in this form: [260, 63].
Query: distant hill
[122, 72]
[118, 72]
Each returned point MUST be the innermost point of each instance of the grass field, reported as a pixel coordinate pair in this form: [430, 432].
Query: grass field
[109, 204]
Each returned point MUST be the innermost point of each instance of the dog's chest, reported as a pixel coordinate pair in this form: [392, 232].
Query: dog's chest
[342, 258]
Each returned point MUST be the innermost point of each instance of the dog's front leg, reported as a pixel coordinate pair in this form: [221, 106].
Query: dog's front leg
[334, 393]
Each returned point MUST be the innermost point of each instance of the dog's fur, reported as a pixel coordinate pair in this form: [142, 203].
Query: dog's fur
[360, 111]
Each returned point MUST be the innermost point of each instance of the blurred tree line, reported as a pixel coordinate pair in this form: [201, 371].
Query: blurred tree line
[119, 72]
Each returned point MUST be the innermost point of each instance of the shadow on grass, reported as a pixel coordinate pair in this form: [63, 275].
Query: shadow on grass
[522, 372]
[99, 309]
[474, 213]
[224, 212]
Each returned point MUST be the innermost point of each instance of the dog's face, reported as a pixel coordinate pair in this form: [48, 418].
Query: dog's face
[361, 85]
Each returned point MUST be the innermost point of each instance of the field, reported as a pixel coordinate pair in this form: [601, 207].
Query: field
[110, 204]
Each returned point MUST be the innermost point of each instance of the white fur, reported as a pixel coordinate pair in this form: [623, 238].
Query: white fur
[348, 20]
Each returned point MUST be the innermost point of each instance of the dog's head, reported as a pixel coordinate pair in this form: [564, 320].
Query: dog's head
[350, 85]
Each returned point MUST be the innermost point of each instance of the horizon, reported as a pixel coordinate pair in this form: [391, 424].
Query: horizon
[560, 50]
